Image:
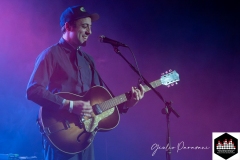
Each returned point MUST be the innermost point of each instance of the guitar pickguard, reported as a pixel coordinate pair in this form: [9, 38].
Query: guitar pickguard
[92, 123]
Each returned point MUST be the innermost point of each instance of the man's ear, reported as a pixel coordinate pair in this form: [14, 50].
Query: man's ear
[67, 26]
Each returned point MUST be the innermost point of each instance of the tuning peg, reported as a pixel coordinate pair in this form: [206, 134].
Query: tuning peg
[172, 84]
[166, 72]
[162, 74]
[170, 70]
[176, 83]
[168, 86]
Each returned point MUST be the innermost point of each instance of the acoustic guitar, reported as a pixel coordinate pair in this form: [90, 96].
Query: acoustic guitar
[71, 133]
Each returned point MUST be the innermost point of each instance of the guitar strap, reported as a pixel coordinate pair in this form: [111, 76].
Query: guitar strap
[94, 70]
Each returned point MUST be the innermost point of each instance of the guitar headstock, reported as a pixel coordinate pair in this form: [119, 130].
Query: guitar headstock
[169, 78]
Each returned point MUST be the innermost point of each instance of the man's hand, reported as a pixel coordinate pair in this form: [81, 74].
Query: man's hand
[80, 108]
[136, 95]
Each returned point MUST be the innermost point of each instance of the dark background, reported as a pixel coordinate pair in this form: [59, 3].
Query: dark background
[198, 39]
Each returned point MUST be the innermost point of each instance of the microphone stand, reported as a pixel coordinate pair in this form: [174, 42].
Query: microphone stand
[167, 110]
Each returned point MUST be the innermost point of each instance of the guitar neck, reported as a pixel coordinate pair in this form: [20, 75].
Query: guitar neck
[124, 97]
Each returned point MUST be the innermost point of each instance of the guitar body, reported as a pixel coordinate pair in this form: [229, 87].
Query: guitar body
[71, 133]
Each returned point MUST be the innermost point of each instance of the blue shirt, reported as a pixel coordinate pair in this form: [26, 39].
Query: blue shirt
[61, 68]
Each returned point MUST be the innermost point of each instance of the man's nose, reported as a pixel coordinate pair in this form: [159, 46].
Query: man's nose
[89, 31]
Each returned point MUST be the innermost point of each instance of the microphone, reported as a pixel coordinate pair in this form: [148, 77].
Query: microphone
[104, 39]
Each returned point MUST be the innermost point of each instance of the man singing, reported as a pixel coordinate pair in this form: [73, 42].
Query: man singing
[64, 67]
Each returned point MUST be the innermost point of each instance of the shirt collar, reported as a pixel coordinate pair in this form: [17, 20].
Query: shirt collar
[66, 46]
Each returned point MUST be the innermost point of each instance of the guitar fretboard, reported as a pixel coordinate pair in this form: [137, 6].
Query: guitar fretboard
[124, 97]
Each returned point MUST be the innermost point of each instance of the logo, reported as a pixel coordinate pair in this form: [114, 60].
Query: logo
[82, 9]
[225, 146]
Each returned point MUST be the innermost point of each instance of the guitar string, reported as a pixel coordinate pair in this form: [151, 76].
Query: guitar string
[113, 102]
[122, 98]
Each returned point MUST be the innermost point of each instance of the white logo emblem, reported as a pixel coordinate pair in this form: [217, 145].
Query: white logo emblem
[82, 9]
